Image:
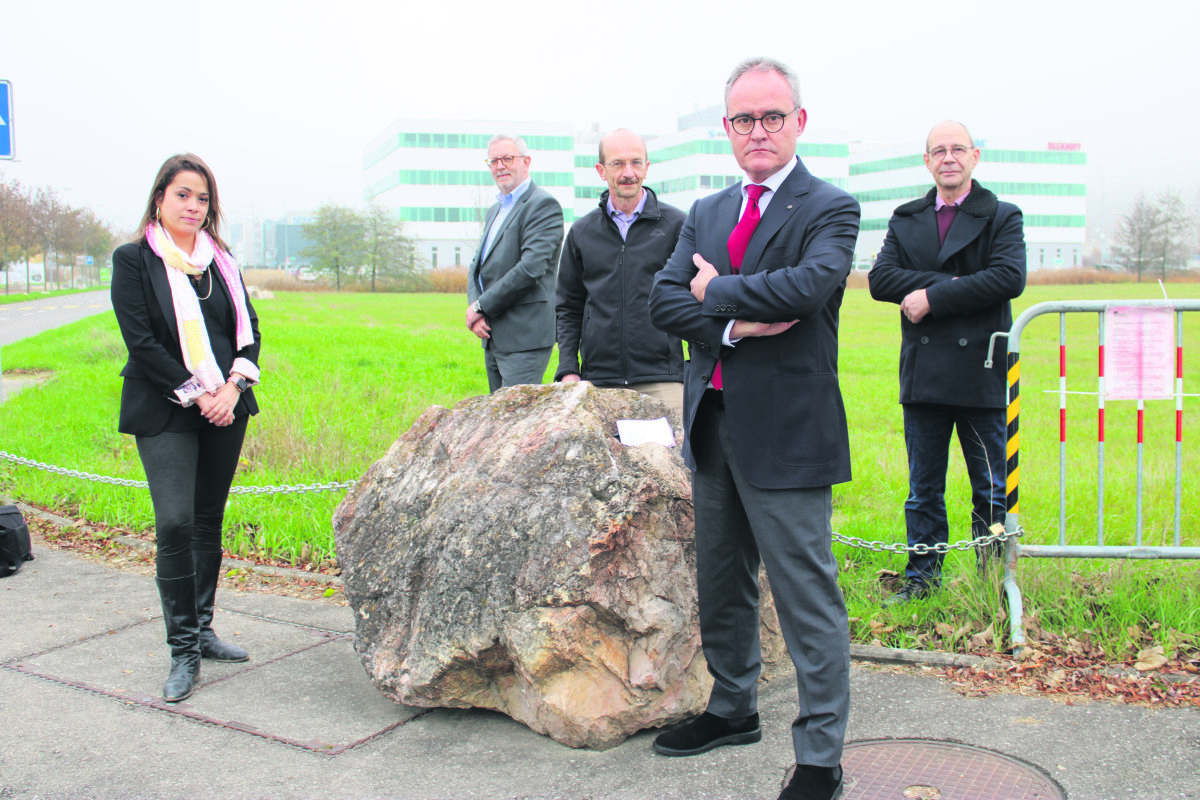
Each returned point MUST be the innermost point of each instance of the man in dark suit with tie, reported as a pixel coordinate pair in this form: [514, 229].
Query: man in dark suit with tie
[755, 286]
[952, 260]
[510, 287]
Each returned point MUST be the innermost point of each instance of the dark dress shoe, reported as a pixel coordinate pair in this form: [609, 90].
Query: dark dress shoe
[913, 590]
[813, 783]
[706, 732]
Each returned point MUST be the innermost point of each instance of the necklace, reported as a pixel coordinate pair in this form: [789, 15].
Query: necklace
[210, 284]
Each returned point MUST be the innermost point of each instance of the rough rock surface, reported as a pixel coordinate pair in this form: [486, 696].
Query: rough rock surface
[511, 554]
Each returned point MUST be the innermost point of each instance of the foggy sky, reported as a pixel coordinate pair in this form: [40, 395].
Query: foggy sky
[281, 97]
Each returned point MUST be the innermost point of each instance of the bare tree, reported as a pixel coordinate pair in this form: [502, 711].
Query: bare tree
[1175, 231]
[50, 219]
[14, 224]
[336, 234]
[388, 251]
[1136, 243]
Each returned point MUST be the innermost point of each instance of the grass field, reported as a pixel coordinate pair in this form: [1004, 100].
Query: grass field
[345, 374]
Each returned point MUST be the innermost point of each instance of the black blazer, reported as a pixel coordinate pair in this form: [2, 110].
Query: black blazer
[782, 397]
[141, 299]
[969, 281]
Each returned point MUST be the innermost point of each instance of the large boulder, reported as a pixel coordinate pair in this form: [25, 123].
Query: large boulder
[511, 554]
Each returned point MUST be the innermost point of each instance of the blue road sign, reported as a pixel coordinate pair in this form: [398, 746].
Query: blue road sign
[6, 128]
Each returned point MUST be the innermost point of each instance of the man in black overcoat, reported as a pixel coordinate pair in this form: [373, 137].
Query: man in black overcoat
[952, 260]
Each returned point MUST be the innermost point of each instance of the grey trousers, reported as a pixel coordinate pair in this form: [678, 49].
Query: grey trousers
[510, 369]
[790, 531]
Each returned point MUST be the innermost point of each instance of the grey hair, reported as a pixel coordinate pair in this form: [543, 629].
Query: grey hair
[929, 135]
[517, 140]
[762, 64]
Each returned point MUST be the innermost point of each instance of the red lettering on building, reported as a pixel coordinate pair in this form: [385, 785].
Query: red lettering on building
[1064, 146]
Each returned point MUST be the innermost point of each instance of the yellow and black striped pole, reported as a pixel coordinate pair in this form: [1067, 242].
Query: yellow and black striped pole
[1014, 438]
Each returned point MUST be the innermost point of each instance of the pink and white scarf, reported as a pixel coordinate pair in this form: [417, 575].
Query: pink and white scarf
[193, 335]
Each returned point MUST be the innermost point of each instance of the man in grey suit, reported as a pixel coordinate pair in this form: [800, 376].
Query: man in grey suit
[755, 286]
[510, 287]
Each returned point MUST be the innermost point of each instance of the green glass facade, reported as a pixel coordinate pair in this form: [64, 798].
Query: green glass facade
[999, 187]
[986, 156]
[458, 141]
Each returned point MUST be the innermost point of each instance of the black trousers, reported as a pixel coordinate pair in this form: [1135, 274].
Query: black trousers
[190, 473]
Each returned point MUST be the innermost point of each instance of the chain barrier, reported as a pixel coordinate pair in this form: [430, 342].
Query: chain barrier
[852, 541]
[924, 549]
[88, 476]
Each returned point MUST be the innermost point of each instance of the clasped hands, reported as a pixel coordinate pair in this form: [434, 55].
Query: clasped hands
[217, 407]
[741, 329]
[477, 324]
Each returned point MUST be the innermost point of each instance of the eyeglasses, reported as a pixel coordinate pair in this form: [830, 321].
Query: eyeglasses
[505, 160]
[619, 166]
[772, 123]
[940, 153]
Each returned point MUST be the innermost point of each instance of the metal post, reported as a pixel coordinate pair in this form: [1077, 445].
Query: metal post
[1100, 438]
[1012, 523]
[1178, 422]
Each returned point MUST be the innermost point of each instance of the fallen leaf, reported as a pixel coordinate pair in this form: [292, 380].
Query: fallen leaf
[1150, 659]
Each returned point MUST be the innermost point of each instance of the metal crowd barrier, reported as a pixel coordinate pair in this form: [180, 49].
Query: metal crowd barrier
[1016, 547]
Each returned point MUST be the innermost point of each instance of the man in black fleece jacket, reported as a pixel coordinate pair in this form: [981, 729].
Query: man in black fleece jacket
[608, 265]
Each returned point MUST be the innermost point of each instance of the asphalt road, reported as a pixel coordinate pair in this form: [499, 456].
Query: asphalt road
[21, 320]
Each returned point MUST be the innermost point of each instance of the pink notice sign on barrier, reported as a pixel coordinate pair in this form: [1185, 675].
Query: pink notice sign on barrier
[1139, 358]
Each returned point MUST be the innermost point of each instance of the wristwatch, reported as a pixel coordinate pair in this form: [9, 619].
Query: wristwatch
[475, 307]
[239, 382]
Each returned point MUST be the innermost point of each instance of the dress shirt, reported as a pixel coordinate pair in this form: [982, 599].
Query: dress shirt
[939, 202]
[771, 185]
[506, 202]
[624, 220]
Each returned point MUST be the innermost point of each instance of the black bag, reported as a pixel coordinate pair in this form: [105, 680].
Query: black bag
[14, 541]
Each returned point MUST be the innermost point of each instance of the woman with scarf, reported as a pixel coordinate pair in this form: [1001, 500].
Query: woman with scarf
[193, 343]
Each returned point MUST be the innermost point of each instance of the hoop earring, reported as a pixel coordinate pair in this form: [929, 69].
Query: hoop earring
[157, 209]
[207, 220]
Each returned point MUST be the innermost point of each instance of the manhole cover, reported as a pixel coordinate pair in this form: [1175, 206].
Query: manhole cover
[921, 769]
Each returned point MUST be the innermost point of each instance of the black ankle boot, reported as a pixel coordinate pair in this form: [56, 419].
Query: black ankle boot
[208, 572]
[178, 596]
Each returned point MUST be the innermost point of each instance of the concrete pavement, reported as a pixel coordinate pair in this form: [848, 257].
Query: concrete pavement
[82, 661]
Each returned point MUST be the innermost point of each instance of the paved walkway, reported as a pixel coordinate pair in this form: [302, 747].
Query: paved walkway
[18, 320]
[82, 660]
[28, 318]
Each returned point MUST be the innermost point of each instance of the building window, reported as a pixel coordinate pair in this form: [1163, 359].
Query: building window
[433, 257]
[457, 255]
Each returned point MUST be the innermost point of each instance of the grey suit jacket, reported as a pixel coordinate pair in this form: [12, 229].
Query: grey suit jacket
[518, 274]
[782, 398]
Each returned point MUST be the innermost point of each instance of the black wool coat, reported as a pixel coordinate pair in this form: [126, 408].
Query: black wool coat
[969, 282]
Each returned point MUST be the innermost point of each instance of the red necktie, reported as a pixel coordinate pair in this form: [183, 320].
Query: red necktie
[738, 241]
